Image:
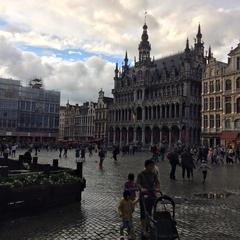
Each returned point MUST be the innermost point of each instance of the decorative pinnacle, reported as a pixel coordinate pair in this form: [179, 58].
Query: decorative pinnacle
[145, 16]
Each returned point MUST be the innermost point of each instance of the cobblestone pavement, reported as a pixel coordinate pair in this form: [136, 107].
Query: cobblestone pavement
[96, 217]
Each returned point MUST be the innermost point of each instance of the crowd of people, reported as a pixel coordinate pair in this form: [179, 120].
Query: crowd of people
[188, 159]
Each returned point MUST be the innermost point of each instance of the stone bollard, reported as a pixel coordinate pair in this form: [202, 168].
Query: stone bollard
[35, 160]
[79, 169]
[3, 171]
[55, 163]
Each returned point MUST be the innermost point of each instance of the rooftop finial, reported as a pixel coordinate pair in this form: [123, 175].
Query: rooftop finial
[145, 16]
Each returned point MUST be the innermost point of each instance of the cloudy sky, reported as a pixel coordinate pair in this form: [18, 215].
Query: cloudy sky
[73, 44]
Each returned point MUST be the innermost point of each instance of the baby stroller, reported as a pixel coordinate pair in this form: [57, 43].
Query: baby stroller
[162, 226]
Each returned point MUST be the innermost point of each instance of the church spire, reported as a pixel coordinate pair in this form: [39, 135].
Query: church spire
[116, 71]
[144, 46]
[199, 34]
[187, 49]
[126, 59]
[209, 53]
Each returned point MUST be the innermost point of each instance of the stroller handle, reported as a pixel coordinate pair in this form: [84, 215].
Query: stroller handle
[165, 197]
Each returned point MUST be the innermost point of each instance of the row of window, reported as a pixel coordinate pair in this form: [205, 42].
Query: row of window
[212, 103]
[33, 106]
[84, 120]
[212, 122]
[7, 123]
[39, 121]
[211, 87]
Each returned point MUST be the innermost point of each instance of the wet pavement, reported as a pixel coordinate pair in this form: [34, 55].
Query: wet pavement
[200, 213]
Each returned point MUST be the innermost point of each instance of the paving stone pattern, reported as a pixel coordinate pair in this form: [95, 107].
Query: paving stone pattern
[96, 217]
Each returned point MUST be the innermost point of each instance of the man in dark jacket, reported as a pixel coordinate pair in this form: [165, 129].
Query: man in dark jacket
[187, 164]
[174, 161]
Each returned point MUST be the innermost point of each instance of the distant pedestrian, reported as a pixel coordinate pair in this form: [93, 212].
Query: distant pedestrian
[14, 148]
[174, 161]
[77, 154]
[162, 152]
[36, 149]
[6, 153]
[60, 151]
[204, 167]
[83, 154]
[65, 151]
[101, 155]
[187, 164]
[115, 153]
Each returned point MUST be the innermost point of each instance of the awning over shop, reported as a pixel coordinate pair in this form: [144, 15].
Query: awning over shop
[230, 135]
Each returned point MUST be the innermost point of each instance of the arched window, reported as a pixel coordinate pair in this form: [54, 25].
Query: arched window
[147, 75]
[227, 123]
[238, 83]
[139, 113]
[237, 124]
[228, 85]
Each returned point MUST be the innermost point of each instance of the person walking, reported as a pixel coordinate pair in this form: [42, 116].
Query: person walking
[115, 153]
[83, 154]
[14, 148]
[101, 155]
[126, 209]
[204, 167]
[148, 184]
[65, 151]
[187, 164]
[162, 152]
[77, 153]
[60, 151]
[174, 161]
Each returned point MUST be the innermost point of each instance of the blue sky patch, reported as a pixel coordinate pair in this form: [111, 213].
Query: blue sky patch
[3, 22]
[71, 54]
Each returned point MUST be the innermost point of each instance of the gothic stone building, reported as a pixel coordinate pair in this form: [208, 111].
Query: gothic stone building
[221, 100]
[158, 101]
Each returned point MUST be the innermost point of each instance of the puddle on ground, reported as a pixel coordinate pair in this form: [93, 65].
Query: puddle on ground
[213, 195]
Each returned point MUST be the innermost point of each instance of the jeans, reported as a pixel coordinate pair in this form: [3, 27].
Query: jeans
[184, 168]
[126, 224]
[173, 170]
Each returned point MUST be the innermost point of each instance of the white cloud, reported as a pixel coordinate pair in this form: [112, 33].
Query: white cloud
[111, 26]
[106, 27]
[78, 81]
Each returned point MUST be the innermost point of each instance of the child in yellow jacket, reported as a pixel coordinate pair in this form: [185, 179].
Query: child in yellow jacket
[126, 209]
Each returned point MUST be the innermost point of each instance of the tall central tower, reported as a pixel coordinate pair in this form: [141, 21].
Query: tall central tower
[144, 46]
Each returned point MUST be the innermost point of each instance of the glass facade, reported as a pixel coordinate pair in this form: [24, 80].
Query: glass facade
[28, 111]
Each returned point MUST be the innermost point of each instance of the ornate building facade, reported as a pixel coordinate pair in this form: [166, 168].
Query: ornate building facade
[221, 100]
[101, 117]
[79, 122]
[61, 122]
[158, 100]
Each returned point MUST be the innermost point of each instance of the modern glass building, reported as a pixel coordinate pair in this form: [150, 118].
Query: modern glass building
[28, 113]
